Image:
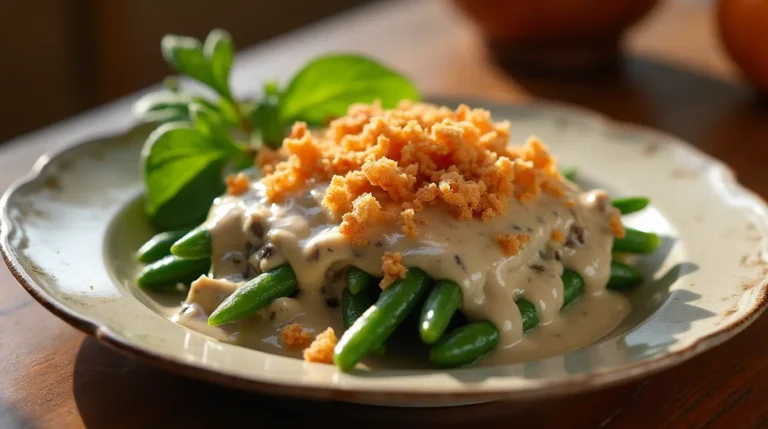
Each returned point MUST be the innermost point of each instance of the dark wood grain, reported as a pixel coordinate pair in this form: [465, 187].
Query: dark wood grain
[52, 376]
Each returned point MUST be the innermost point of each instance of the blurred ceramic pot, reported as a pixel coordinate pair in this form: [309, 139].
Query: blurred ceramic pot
[555, 35]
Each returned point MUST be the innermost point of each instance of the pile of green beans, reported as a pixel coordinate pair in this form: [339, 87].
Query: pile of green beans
[166, 269]
[370, 318]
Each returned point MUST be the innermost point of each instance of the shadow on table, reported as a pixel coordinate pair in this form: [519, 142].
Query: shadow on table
[11, 418]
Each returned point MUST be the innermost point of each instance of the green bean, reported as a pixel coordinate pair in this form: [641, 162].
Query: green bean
[623, 276]
[464, 345]
[630, 204]
[573, 286]
[458, 319]
[381, 319]
[467, 343]
[528, 314]
[635, 241]
[195, 244]
[256, 294]
[570, 173]
[159, 246]
[353, 306]
[441, 304]
[171, 270]
[358, 280]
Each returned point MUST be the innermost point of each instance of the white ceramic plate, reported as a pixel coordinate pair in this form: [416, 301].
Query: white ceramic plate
[69, 230]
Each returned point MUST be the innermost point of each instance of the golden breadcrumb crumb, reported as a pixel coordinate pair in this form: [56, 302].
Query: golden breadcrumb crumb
[407, 217]
[365, 209]
[406, 158]
[393, 268]
[616, 226]
[337, 196]
[536, 152]
[384, 173]
[558, 236]
[268, 157]
[321, 349]
[552, 187]
[294, 335]
[570, 203]
[238, 185]
[528, 183]
[512, 244]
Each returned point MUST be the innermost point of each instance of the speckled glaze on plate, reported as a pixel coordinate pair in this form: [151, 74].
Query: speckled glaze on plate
[69, 228]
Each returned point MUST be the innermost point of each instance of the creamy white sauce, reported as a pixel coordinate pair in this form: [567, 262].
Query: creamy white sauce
[250, 235]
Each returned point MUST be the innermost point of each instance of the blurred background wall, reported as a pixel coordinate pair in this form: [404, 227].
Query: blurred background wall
[60, 57]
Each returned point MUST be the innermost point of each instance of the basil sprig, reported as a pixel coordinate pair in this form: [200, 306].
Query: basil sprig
[328, 85]
[198, 140]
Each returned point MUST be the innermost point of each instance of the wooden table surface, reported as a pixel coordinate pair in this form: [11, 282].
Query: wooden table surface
[676, 78]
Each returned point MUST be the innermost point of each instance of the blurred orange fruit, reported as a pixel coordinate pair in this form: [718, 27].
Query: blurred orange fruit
[743, 27]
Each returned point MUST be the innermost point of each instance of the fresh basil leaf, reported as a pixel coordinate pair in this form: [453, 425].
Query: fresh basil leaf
[183, 174]
[209, 122]
[210, 105]
[326, 87]
[185, 55]
[228, 112]
[271, 89]
[212, 124]
[162, 107]
[244, 158]
[189, 207]
[266, 119]
[219, 50]
[223, 108]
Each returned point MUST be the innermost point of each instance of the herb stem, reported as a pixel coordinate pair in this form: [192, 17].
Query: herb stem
[245, 124]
